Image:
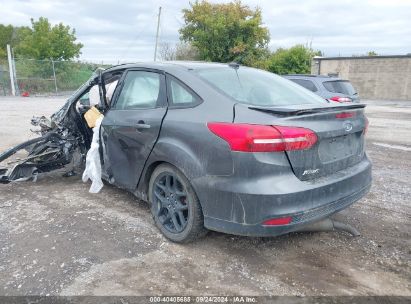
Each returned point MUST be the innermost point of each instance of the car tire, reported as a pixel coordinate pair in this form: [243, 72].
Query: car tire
[175, 207]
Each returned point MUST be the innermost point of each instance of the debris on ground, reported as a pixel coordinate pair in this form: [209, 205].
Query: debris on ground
[6, 204]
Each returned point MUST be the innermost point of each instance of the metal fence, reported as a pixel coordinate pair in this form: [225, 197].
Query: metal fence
[45, 77]
[4, 78]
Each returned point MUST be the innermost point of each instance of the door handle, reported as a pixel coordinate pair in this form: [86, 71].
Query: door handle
[142, 125]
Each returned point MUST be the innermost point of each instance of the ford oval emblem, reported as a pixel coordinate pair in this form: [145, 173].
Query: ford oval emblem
[347, 126]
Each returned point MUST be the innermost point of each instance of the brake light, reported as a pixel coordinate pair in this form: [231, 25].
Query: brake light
[345, 115]
[263, 138]
[278, 221]
[367, 123]
[340, 99]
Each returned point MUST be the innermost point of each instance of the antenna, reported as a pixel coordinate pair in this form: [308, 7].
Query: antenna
[158, 27]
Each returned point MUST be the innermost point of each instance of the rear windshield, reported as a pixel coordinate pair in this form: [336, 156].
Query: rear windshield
[340, 86]
[257, 87]
[309, 85]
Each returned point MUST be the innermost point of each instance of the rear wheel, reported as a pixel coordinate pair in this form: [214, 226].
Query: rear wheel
[174, 205]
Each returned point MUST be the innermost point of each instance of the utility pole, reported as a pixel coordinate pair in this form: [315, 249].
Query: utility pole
[13, 88]
[16, 85]
[158, 28]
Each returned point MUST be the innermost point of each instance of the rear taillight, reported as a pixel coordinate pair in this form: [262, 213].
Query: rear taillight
[263, 138]
[367, 123]
[340, 99]
[278, 221]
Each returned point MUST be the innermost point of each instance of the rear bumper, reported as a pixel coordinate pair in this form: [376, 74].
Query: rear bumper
[298, 219]
[240, 206]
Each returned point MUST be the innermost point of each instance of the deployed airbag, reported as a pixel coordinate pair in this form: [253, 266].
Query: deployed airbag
[93, 165]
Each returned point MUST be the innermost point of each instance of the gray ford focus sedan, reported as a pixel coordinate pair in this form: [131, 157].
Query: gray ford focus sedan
[217, 147]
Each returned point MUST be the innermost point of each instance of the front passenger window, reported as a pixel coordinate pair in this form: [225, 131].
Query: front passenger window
[141, 90]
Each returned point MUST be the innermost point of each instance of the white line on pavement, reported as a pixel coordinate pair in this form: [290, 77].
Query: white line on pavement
[398, 147]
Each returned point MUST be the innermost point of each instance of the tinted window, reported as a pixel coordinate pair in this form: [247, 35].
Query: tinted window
[339, 86]
[309, 85]
[257, 87]
[141, 90]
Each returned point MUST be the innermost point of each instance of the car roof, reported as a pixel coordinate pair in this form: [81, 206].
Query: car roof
[169, 65]
[172, 66]
[308, 76]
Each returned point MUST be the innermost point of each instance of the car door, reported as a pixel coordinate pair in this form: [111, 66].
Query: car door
[132, 125]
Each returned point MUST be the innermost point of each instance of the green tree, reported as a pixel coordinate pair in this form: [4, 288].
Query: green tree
[295, 60]
[372, 53]
[44, 41]
[11, 35]
[225, 32]
[6, 35]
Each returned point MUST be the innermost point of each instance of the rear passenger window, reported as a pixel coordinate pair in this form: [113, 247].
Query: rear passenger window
[181, 95]
[339, 86]
[309, 85]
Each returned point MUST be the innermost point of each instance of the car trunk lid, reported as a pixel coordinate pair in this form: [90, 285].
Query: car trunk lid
[339, 130]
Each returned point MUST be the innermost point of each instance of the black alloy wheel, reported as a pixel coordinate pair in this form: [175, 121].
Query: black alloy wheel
[174, 205]
[171, 202]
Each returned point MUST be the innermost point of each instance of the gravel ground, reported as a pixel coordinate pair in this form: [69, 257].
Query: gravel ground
[57, 239]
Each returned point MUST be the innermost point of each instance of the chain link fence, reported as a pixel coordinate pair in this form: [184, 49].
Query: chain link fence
[45, 77]
[4, 77]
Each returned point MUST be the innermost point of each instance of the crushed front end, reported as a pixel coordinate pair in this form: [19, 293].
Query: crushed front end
[63, 139]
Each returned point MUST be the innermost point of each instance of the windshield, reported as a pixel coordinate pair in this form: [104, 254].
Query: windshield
[340, 86]
[257, 87]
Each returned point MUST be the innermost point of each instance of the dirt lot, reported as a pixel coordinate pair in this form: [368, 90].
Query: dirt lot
[57, 239]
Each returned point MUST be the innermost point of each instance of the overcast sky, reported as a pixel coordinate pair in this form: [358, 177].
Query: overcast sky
[113, 30]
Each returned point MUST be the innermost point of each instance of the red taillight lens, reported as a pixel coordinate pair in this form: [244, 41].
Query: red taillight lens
[345, 115]
[340, 99]
[278, 221]
[367, 123]
[297, 138]
[263, 138]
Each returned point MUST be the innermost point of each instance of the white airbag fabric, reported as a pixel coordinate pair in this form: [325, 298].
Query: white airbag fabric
[93, 164]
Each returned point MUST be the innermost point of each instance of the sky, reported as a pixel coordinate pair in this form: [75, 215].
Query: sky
[124, 31]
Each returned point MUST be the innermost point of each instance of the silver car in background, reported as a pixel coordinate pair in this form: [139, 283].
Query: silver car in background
[333, 89]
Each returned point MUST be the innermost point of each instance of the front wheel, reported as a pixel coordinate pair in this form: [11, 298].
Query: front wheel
[174, 205]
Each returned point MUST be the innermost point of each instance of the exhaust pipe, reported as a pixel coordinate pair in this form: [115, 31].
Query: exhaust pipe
[329, 225]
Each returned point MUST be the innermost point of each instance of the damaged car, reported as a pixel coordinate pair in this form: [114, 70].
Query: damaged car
[209, 146]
